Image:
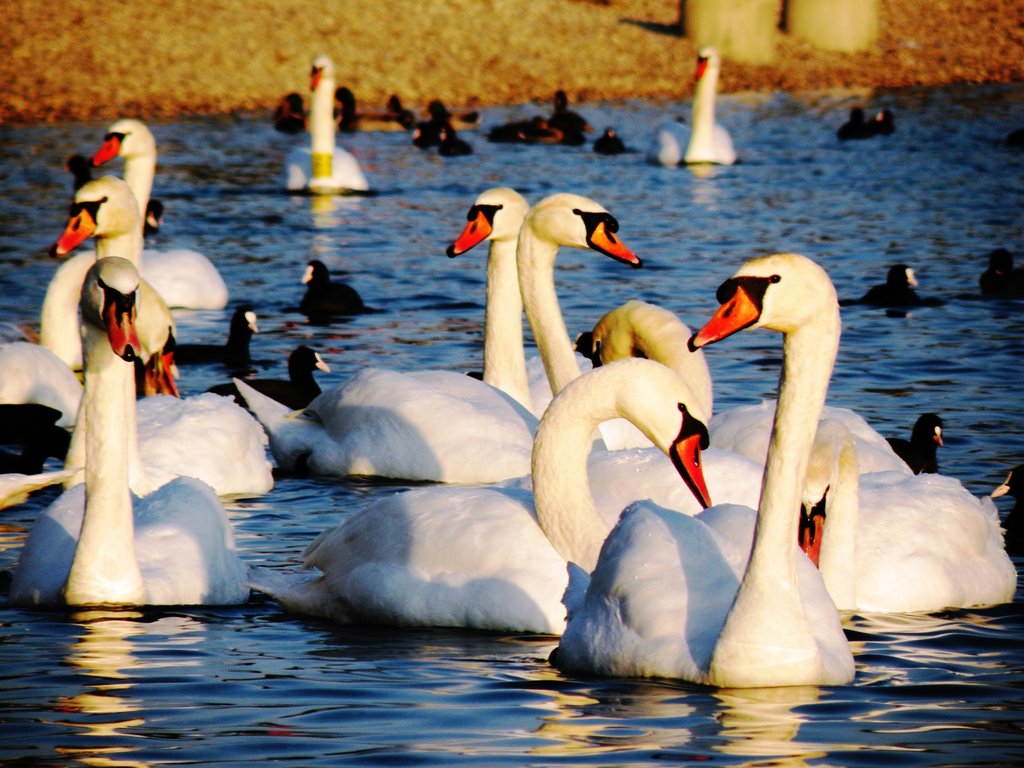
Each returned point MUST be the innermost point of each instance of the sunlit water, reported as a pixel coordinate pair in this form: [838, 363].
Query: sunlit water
[238, 686]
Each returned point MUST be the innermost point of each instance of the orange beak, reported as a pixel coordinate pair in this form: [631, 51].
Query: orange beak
[702, 67]
[110, 149]
[685, 455]
[80, 228]
[476, 231]
[119, 320]
[603, 240]
[315, 75]
[734, 315]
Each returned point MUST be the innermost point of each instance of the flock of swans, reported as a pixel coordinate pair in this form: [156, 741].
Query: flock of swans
[590, 492]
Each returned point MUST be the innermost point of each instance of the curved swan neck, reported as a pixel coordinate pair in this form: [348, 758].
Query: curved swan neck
[139, 171]
[504, 356]
[536, 265]
[839, 536]
[127, 245]
[104, 569]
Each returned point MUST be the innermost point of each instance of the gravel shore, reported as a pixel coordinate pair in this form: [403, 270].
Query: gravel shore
[82, 60]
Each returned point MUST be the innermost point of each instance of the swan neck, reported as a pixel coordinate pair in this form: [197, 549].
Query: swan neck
[127, 245]
[321, 119]
[104, 568]
[139, 171]
[703, 115]
[504, 355]
[839, 537]
[566, 511]
[536, 265]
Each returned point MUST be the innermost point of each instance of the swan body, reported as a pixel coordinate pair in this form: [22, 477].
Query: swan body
[430, 425]
[183, 277]
[707, 141]
[489, 557]
[690, 597]
[30, 373]
[15, 487]
[96, 544]
[322, 167]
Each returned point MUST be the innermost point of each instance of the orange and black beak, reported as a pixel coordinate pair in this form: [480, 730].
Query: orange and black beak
[685, 455]
[80, 227]
[119, 320]
[479, 227]
[601, 229]
[316, 74]
[110, 149]
[160, 370]
[741, 304]
[702, 67]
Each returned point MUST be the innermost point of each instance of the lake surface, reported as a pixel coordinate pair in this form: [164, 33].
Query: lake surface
[248, 684]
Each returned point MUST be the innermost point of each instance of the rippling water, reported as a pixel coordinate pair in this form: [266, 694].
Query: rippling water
[239, 685]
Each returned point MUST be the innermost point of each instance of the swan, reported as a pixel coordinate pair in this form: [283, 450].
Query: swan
[490, 557]
[15, 486]
[105, 209]
[207, 437]
[691, 597]
[183, 277]
[30, 373]
[96, 544]
[901, 558]
[707, 141]
[438, 425]
[323, 168]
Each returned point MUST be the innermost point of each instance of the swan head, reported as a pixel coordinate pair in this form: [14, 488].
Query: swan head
[784, 292]
[320, 72]
[497, 214]
[708, 62]
[579, 222]
[126, 138]
[108, 304]
[104, 207]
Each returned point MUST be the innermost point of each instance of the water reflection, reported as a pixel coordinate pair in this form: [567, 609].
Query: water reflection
[765, 723]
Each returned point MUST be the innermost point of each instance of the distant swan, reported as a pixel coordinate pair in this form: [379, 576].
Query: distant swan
[439, 425]
[687, 597]
[323, 167]
[96, 544]
[491, 557]
[706, 141]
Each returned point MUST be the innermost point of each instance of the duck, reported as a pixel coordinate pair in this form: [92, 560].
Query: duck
[105, 209]
[233, 353]
[919, 452]
[1013, 486]
[323, 167]
[570, 124]
[897, 291]
[97, 544]
[324, 297]
[290, 114]
[295, 392]
[690, 597]
[708, 142]
[1001, 279]
[350, 119]
[442, 426]
[184, 277]
[856, 127]
[489, 557]
[451, 145]
[609, 143]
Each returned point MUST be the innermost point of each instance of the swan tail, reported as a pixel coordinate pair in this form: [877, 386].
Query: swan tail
[295, 591]
[576, 589]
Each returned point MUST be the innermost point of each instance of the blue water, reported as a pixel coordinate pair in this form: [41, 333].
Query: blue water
[237, 686]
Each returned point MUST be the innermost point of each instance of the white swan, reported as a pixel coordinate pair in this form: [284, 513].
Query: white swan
[30, 373]
[323, 167]
[105, 209]
[893, 541]
[96, 544]
[678, 596]
[706, 141]
[438, 425]
[490, 557]
[209, 437]
[497, 216]
[183, 277]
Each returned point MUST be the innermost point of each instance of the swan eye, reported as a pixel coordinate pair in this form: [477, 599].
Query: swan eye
[775, 278]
